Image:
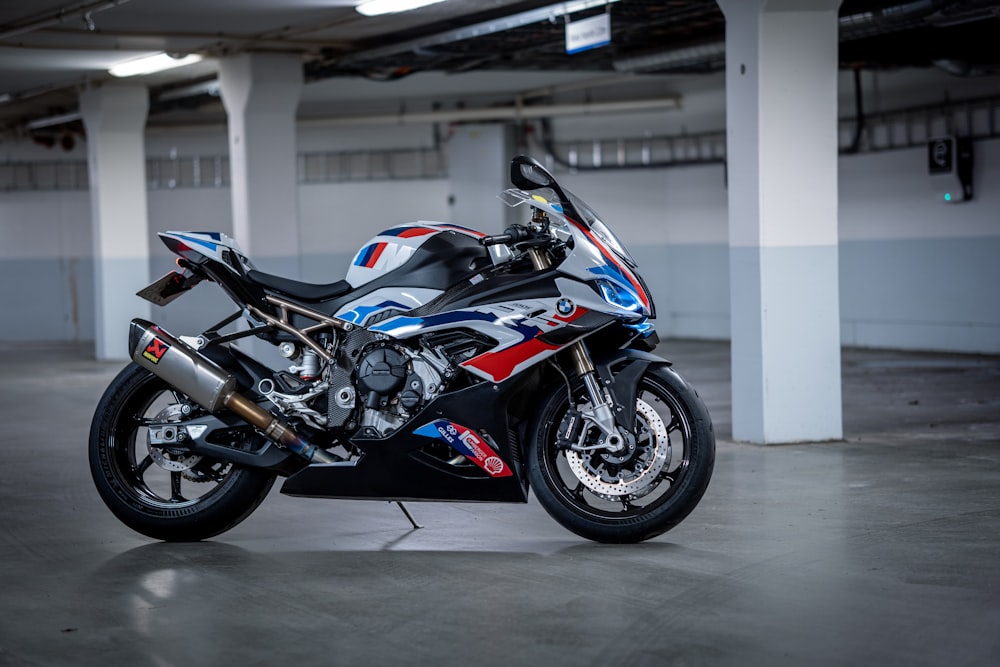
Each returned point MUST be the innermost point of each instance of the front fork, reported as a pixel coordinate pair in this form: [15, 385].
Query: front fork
[601, 414]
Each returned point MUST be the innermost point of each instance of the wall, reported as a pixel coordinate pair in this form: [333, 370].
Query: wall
[914, 272]
[46, 270]
[674, 222]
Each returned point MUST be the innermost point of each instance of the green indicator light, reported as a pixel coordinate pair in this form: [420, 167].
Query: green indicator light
[947, 196]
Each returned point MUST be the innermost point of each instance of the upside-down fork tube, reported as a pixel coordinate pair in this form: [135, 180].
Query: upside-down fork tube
[211, 387]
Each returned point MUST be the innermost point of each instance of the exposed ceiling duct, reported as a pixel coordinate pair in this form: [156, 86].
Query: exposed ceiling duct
[60, 17]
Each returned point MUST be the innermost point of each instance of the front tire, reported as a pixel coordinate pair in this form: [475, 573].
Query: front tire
[165, 494]
[641, 494]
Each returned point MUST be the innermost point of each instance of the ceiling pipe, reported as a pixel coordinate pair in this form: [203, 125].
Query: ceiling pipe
[511, 112]
[514, 112]
[703, 54]
[62, 16]
[854, 26]
[888, 19]
[52, 121]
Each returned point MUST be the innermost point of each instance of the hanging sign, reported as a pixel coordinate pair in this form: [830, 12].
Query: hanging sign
[588, 33]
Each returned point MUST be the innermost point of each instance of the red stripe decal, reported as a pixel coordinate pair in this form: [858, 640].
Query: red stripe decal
[375, 255]
[416, 231]
[500, 365]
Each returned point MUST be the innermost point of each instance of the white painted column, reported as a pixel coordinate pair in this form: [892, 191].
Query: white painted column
[261, 93]
[781, 119]
[479, 158]
[115, 119]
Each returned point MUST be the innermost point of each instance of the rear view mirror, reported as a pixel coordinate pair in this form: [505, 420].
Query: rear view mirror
[527, 174]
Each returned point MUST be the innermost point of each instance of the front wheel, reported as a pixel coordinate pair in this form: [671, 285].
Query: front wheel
[165, 492]
[640, 492]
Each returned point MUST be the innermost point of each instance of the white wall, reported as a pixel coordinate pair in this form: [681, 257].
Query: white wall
[916, 272]
[46, 266]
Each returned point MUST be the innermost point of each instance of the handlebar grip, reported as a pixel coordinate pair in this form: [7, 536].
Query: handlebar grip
[495, 240]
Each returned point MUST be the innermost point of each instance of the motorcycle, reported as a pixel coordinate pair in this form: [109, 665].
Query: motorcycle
[449, 365]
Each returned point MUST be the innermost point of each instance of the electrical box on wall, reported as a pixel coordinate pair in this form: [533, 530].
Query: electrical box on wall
[949, 162]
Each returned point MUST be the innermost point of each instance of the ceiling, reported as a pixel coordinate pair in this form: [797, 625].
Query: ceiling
[50, 49]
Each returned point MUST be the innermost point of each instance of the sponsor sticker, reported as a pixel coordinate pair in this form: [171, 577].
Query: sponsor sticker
[155, 350]
[467, 442]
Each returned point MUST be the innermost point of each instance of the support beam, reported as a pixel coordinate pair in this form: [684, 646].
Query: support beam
[115, 119]
[781, 106]
[261, 92]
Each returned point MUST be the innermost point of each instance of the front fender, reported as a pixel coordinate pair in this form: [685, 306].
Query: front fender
[621, 371]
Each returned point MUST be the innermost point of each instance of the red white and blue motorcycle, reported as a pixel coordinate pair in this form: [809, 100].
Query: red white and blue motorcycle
[449, 365]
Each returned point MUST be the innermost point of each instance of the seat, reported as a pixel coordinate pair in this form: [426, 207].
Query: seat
[299, 290]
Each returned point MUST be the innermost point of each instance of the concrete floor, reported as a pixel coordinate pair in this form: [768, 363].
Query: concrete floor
[881, 550]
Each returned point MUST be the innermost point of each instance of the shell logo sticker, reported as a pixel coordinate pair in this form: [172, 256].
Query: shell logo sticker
[493, 465]
[155, 350]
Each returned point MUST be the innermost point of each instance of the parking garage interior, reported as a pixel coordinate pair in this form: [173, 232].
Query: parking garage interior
[808, 188]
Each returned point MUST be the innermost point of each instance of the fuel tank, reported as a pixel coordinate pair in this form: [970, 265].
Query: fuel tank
[432, 255]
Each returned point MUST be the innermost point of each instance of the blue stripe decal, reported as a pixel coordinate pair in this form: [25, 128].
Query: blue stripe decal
[411, 324]
[190, 239]
[361, 313]
[434, 320]
[612, 271]
[397, 231]
[365, 255]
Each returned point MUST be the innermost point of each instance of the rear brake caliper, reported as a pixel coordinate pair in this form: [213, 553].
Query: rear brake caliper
[165, 438]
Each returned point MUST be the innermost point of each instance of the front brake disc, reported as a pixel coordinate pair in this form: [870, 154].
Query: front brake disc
[633, 478]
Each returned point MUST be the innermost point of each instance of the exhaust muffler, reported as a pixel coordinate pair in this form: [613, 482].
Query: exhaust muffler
[208, 385]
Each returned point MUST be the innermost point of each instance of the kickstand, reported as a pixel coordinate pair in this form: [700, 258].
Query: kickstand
[416, 526]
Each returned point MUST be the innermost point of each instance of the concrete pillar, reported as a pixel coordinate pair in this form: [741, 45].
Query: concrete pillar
[115, 118]
[479, 158]
[781, 119]
[261, 92]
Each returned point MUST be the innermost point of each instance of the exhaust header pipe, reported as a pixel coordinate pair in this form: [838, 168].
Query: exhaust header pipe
[208, 385]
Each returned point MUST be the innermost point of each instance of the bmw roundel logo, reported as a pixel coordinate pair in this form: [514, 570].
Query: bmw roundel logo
[565, 306]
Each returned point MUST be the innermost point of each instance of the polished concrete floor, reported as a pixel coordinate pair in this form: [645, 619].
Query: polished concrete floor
[883, 549]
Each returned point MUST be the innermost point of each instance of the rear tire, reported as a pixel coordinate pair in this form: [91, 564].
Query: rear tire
[605, 499]
[165, 494]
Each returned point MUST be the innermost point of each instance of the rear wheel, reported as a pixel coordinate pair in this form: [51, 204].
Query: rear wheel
[636, 494]
[164, 492]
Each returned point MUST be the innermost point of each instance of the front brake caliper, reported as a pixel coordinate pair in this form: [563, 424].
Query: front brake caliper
[570, 429]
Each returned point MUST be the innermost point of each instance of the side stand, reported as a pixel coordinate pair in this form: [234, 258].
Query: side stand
[416, 526]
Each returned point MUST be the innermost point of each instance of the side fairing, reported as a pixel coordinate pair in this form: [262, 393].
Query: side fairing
[592, 259]
[525, 331]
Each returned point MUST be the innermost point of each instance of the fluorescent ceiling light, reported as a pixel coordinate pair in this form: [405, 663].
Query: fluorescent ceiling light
[376, 7]
[150, 64]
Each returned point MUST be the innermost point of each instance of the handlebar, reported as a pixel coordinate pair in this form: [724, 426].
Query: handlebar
[512, 235]
[487, 241]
